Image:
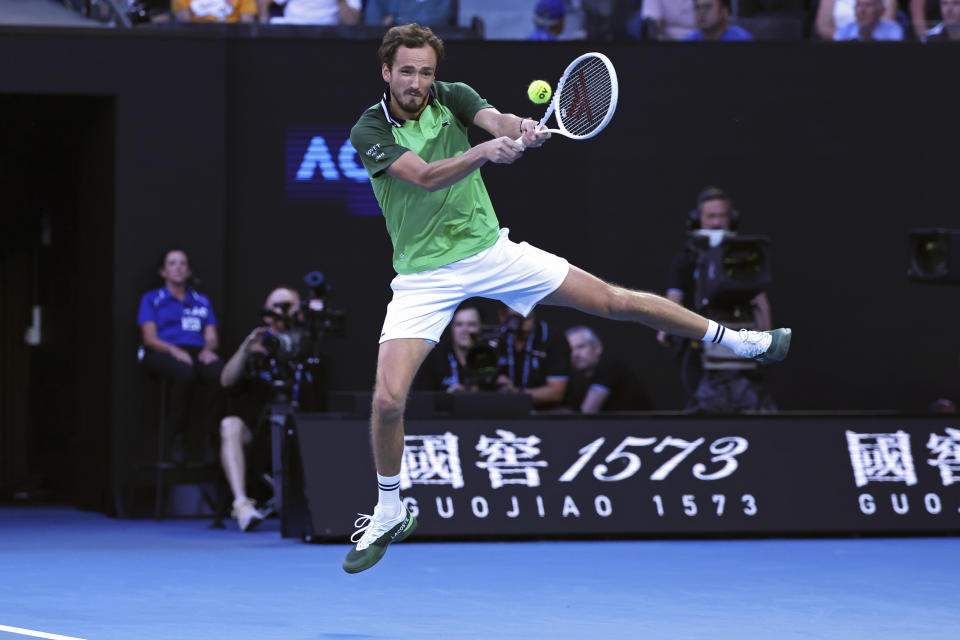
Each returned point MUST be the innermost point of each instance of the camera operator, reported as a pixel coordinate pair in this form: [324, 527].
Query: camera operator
[246, 373]
[532, 359]
[726, 384]
[449, 367]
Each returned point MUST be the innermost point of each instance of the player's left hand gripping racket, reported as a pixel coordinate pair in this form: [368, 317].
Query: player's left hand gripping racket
[585, 98]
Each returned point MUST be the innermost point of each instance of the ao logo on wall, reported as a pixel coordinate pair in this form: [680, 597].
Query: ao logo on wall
[322, 165]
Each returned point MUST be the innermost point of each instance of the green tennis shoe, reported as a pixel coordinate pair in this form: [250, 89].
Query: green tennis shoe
[765, 346]
[375, 534]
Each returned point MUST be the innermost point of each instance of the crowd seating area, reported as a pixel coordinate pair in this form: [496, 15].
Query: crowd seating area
[596, 20]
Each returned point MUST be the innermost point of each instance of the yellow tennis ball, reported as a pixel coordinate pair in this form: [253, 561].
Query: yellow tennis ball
[539, 92]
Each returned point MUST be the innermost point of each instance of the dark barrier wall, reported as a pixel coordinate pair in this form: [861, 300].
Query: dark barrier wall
[169, 172]
[833, 151]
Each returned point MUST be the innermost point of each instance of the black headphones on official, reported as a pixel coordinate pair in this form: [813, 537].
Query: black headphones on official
[692, 223]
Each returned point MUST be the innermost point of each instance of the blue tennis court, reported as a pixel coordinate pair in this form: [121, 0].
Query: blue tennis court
[83, 575]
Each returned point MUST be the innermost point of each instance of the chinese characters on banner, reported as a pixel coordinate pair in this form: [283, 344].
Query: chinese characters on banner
[886, 457]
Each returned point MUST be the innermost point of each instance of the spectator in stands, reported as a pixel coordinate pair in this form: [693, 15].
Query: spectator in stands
[833, 14]
[597, 381]
[178, 331]
[949, 29]
[248, 398]
[214, 10]
[322, 12]
[869, 24]
[665, 19]
[429, 13]
[713, 22]
[532, 359]
[726, 384]
[446, 368]
[923, 13]
[605, 20]
[548, 20]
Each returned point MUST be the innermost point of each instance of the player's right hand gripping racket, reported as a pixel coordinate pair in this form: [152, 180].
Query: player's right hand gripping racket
[585, 98]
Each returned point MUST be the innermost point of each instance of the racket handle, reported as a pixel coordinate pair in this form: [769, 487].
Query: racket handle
[519, 140]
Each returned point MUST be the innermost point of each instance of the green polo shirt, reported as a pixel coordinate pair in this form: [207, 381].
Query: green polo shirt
[428, 230]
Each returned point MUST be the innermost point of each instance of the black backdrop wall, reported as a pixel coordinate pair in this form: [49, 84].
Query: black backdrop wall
[833, 151]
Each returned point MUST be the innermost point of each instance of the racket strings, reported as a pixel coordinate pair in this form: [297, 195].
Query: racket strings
[585, 98]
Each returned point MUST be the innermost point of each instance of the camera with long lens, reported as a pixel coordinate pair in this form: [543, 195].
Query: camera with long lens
[483, 358]
[292, 352]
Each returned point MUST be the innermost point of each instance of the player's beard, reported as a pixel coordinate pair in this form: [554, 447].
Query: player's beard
[411, 105]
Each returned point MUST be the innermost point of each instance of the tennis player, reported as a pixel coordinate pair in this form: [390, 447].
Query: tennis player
[448, 246]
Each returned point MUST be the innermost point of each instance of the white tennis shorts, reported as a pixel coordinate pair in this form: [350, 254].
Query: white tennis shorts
[519, 275]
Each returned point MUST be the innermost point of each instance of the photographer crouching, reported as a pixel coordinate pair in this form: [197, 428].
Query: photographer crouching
[276, 365]
[458, 363]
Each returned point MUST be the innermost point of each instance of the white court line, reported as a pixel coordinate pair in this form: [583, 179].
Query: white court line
[35, 634]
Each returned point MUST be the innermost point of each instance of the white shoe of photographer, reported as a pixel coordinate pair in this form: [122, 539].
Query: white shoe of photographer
[246, 514]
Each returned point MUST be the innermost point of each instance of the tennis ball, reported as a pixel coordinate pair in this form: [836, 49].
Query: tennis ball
[539, 92]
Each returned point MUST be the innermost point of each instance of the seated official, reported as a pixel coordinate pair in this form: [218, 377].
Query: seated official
[178, 330]
[532, 359]
[599, 382]
[446, 368]
[258, 375]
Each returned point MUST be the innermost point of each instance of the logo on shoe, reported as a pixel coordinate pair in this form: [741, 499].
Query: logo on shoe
[403, 527]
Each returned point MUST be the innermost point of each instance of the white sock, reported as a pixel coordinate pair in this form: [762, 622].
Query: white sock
[389, 500]
[719, 334]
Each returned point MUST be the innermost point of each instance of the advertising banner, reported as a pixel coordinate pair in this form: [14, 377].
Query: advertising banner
[645, 476]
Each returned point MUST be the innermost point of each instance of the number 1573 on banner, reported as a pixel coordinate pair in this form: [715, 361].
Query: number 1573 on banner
[724, 450]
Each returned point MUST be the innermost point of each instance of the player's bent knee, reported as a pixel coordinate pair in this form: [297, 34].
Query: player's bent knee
[388, 405]
[231, 428]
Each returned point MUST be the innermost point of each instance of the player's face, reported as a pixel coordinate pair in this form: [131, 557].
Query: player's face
[951, 11]
[176, 268]
[465, 323]
[715, 214]
[410, 78]
[584, 353]
[284, 301]
[867, 11]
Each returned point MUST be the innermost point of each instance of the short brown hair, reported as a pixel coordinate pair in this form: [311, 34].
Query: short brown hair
[412, 36]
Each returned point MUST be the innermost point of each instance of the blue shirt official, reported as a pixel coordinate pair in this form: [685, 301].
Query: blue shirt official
[178, 322]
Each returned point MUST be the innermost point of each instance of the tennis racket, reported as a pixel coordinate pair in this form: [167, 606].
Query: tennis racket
[585, 98]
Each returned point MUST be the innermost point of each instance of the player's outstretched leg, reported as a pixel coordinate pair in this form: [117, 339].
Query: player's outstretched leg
[583, 291]
[390, 522]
